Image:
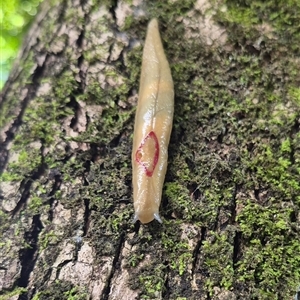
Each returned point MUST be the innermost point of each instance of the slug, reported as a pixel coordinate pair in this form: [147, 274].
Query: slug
[152, 128]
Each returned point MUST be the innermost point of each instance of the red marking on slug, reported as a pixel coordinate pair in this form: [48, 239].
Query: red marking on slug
[148, 152]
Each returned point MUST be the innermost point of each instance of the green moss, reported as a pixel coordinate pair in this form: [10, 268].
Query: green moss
[128, 22]
[271, 252]
[217, 251]
[294, 93]
[163, 10]
[26, 163]
[15, 292]
[152, 285]
[62, 290]
[134, 259]
[8, 108]
[244, 16]
[179, 201]
[177, 249]
[49, 238]
[275, 168]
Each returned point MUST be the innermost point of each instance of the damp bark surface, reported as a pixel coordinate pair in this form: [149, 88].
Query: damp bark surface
[230, 204]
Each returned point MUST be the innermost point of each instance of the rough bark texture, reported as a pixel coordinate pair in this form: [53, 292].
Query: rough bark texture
[231, 198]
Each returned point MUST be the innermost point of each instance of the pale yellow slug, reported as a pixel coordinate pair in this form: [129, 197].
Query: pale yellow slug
[152, 129]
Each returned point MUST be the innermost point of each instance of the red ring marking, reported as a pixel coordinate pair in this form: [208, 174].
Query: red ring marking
[139, 154]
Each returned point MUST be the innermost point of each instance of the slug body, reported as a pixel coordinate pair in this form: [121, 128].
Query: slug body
[152, 129]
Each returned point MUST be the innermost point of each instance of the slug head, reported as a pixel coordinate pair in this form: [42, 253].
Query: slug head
[146, 216]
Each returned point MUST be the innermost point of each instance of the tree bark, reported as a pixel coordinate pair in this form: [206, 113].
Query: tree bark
[230, 205]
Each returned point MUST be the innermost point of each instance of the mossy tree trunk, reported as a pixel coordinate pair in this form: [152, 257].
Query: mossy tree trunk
[231, 197]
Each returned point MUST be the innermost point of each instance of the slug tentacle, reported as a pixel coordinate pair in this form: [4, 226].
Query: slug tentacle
[152, 129]
[157, 217]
